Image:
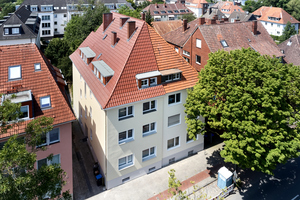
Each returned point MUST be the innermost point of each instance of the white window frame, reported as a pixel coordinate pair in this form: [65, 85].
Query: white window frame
[48, 142]
[127, 113]
[174, 146]
[127, 139]
[176, 98]
[15, 31]
[186, 53]
[27, 106]
[80, 93]
[149, 156]
[6, 31]
[198, 43]
[150, 130]
[199, 63]
[91, 94]
[15, 72]
[37, 66]
[176, 76]
[144, 85]
[190, 140]
[150, 107]
[176, 123]
[127, 162]
[85, 89]
[49, 162]
[44, 97]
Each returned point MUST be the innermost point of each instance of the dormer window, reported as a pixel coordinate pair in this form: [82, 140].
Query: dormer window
[153, 81]
[87, 54]
[144, 83]
[102, 71]
[155, 12]
[148, 79]
[170, 75]
[6, 31]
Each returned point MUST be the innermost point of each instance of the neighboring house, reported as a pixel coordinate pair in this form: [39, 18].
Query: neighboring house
[165, 12]
[241, 16]
[172, 1]
[128, 94]
[39, 87]
[20, 27]
[198, 7]
[227, 7]
[195, 40]
[113, 5]
[291, 49]
[275, 19]
[163, 27]
[214, 13]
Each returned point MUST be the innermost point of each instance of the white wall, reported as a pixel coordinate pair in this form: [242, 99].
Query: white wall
[276, 29]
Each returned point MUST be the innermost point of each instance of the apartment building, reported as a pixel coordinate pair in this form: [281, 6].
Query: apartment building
[129, 92]
[198, 7]
[39, 87]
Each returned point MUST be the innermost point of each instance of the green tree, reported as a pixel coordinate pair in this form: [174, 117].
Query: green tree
[56, 49]
[276, 3]
[19, 180]
[190, 17]
[174, 185]
[125, 10]
[254, 101]
[148, 18]
[288, 31]
[293, 7]
[7, 8]
[65, 64]
[251, 5]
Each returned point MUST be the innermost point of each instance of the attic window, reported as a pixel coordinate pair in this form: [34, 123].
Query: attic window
[182, 11]
[163, 12]
[169, 11]
[224, 43]
[87, 54]
[45, 102]
[14, 72]
[102, 71]
[289, 43]
[37, 66]
[6, 31]
[155, 12]
[176, 11]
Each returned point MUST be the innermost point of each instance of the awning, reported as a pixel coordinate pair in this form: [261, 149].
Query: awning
[103, 68]
[171, 16]
[157, 17]
[147, 75]
[170, 71]
[88, 52]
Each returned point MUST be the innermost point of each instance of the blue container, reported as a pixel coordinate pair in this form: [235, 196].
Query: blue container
[99, 176]
[224, 178]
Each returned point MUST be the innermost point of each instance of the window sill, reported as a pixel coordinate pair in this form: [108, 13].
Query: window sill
[126, 117]
[171, 148]
[198, 63]
[173, 125]
[172, 104]
[46, 108]
[149, 111]
[125, 167]
[125, 141]
[149, 133]
[148, 158]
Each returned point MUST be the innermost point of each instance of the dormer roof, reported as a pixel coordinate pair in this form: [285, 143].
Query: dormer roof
[103, 68]
[87, 52]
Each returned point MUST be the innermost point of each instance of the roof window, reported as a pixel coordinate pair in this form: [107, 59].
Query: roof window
[104, 36]
[45, 102]
[170, 11]
[176, 11]
[14, 72]
[163, 12]
[37, 66]
[155, 12]
[224, 43]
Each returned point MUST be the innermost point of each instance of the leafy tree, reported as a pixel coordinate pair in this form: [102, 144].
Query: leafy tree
[132, 3]
[174, 185]
[65, 64]
[254, 101]
[19, 179]
[157, 1]
[125, 10]
[190, 17]
[276, 3]
[288, 31]
[57, 48]
[293, 7]
[148, 18]
[143, 5]
[7, 8]
[251, 5]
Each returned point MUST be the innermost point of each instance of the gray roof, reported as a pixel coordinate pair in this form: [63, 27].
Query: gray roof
[89, 53]
[22, 17]
[242, 16]
[103, 68]
[291, 49]
[211, 12]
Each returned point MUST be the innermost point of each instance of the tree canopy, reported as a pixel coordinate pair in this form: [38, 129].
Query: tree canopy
[254, 101]
[288, 31]
[125, 10]
[19, 180]
[190, 17]
[293, 7]
[251, 5]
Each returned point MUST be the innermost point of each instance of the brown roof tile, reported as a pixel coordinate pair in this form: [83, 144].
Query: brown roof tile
[166, 7]
[163, 27]
[291, 48]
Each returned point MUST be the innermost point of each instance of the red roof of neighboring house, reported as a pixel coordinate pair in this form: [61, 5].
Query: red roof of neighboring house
[228, 7]
[47, 81]
[266, 12]
[180, 7]
[196, 3]
[163, 27]
[145, 51]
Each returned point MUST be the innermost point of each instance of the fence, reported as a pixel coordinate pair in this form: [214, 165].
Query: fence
[224, 193]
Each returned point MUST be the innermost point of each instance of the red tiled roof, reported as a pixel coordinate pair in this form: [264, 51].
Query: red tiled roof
[266, 12]
[228, 5]
[163, 27]
[166, 7]
[199, 3]
[144, 52]
[41, 83]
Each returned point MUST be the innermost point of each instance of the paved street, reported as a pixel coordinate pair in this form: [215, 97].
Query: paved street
[285, 184]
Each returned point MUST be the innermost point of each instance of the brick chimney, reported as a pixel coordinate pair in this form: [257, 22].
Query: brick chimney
[254, 27]
[215, 17]
[201, 20]
[184, 26]
[225, 19]
[130, 28]
[165, 5]
[143, 16]
[113, 38]
[107, 19]
[210, 21]
[156, 5]
[123, 20]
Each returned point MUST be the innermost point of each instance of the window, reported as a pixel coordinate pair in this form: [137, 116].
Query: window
[271, 24]
[25, 112]
[45, 25]
[224, 43]
[85, 90]
[152, 169]
[80, 94]
[174, 142]
[190, 153]
[163, 12]
[125, 162]
[176, 11]
[37, 66]
[176, 49]
[170, 11]
[144, 83]
[126, 136]
[153, 81]
[148, 154]
[155, 12]
[232, 20]
[278, 25]
[149, 129]
[55, 23]
[45, 17]
[65, 15]
[173, 120]
[55, 15]
[55, 30]
[186, 59]
[45, 102]
[6, 31]
[149, 106]
[174, 98]
[91, 134]
[45, 161]
[51, 137]
[124, 180]
[266, 23]
[14, 72]
[198, 43]
[172, 160]
[85, 111]
[186, 53]
[171, 77]
[90, 112]
[198, 60]
[46, 32]
[126, 112]
[188, 139]
[15, 30]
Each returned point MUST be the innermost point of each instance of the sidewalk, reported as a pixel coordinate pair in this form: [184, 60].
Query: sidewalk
[201, 168]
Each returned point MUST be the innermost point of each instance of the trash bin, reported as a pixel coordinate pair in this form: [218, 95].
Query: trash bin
[224, 178]
[99, 179]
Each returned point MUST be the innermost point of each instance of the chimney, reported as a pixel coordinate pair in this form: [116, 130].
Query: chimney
[201, 20]
[225, 19]
[107, 18]
[184, 25]
[130, 28]
[143, 16]
[113, 38]
[254, 27]
[165, 5]
[156, 5]
[123, 20]
[215, 17]
[210, 21]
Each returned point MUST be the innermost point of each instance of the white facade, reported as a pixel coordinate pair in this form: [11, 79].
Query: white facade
[22, 41]
[145, 148]
[276, 29]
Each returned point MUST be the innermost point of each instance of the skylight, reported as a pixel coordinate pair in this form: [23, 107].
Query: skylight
[224, 43]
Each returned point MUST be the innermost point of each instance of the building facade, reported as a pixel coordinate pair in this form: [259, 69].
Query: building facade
[198, 7]
[131, 108]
